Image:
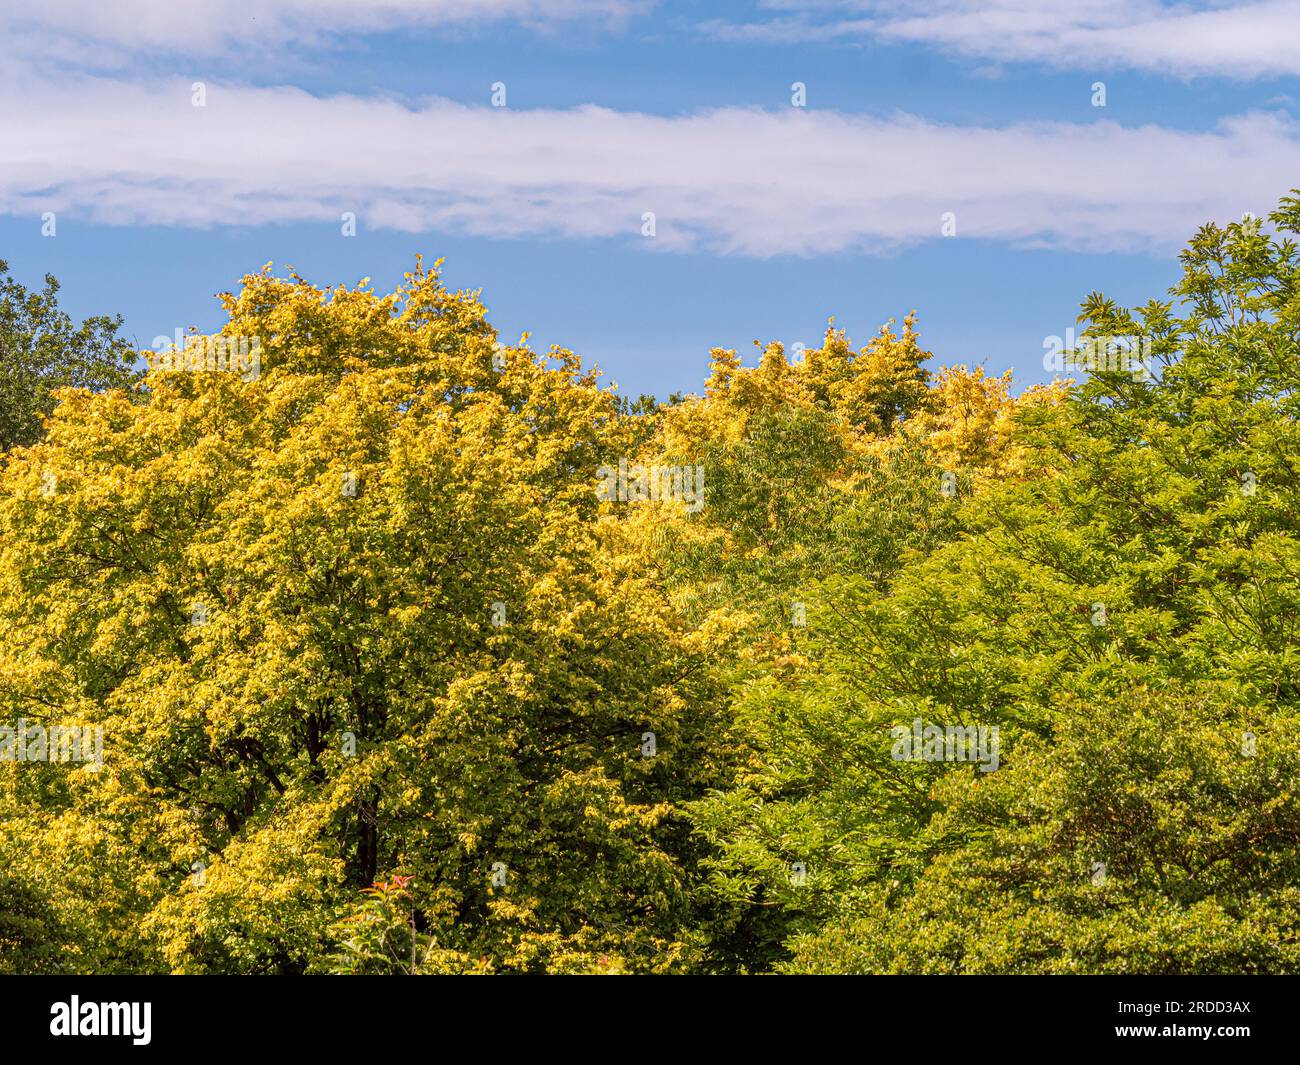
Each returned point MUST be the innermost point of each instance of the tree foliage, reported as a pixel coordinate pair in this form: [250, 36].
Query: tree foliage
[388, 686]
[42, 350]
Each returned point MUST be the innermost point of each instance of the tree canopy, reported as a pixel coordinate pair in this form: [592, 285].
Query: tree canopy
[389, 683]
[43, 350]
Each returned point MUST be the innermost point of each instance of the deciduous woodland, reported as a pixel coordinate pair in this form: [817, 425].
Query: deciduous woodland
[392, 680]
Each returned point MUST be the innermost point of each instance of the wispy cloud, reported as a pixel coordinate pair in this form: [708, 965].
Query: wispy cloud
[1249, 39]
[1239, 40]
[105, 33]
[740, 181]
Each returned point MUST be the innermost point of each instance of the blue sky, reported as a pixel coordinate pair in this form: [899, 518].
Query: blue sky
[769, 218]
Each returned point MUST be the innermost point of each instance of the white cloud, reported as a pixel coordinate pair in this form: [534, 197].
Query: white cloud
[739, 181]
[104, 31]
[1235, 38]
[1240, 40]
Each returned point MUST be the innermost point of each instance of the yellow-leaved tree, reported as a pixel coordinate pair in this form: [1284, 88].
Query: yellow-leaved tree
[836, 460]
[344, 613]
